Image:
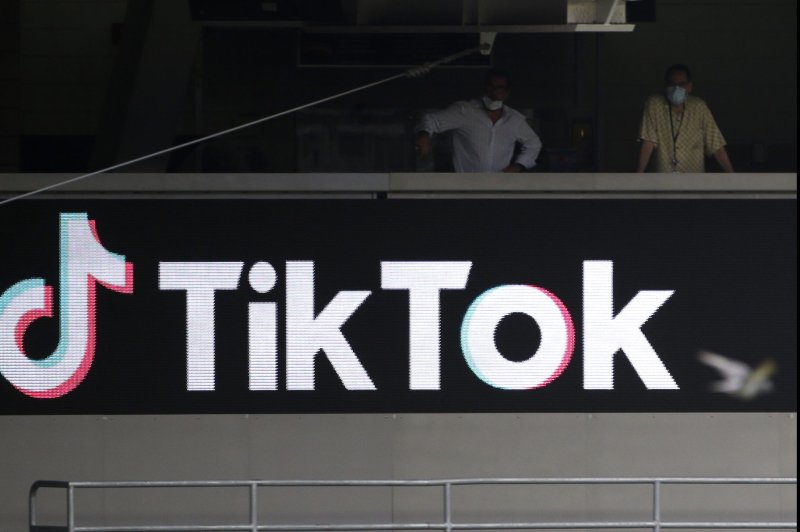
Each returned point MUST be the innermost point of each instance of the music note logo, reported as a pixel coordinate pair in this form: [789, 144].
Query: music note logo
[84, 263]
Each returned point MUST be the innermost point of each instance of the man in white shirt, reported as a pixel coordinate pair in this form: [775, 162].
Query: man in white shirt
[485, 131]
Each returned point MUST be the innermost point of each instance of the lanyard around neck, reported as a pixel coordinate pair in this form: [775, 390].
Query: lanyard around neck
[675, 134]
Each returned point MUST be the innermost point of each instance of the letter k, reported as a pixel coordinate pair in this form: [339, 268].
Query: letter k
[605, 334]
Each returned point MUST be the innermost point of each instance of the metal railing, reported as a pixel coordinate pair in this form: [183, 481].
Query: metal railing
[448, 523]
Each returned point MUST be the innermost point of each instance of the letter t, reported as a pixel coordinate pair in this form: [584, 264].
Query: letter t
[424, 280]
[200, 280]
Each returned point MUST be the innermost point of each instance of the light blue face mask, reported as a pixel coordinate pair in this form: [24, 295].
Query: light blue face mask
[676, 95]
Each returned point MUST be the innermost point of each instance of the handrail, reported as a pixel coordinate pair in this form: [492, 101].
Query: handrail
[447, 524]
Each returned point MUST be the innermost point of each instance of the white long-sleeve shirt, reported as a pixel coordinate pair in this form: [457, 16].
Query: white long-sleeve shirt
[479, 145]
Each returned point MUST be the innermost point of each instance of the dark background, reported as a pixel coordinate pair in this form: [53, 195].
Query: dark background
[85, 84]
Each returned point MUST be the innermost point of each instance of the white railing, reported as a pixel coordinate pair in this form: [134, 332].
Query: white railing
[447, 523]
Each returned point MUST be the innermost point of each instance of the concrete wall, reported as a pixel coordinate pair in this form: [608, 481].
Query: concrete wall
[402, 446]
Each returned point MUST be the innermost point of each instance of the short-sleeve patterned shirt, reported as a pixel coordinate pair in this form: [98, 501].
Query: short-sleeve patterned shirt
[693, 135]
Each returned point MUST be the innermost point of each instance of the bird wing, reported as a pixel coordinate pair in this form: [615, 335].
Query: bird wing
[759, 381]
[733, 372]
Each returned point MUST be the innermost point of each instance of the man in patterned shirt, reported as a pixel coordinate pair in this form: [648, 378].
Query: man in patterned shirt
[679, 128]
[485, 131]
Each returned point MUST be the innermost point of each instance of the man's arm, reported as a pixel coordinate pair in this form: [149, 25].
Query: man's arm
[436, 122]
[422, 143]
[649, 134]
[530, 146]
[645, 152]
[713, 139]
[721, 155]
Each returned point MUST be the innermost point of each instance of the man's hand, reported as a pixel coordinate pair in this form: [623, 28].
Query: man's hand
[422, 144]
[513, 168]
[721, 155]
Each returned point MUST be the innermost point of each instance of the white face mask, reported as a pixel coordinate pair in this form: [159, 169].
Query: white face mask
[492, 105]
[676, 95]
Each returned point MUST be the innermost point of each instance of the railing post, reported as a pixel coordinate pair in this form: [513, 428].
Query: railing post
[70, 508]
[32, 506]
[657, 505]
[254, 506]
[448, 523]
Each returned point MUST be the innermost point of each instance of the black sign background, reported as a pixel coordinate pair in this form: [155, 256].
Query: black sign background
[732, 264]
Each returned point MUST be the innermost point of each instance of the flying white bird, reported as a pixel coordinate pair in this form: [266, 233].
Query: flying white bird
[739, 379]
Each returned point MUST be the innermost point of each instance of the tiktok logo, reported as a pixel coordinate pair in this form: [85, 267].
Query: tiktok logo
[84, 262]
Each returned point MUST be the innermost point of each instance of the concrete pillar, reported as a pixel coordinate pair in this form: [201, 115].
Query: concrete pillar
[157, 53]
[9, 85]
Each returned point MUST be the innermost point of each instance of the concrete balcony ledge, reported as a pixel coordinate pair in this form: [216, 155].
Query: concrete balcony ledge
[403, 184]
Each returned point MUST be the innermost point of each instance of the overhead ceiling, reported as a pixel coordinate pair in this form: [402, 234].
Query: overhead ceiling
[418, 16]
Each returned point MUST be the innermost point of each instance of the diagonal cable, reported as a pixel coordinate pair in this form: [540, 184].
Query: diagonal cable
[411, 73]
